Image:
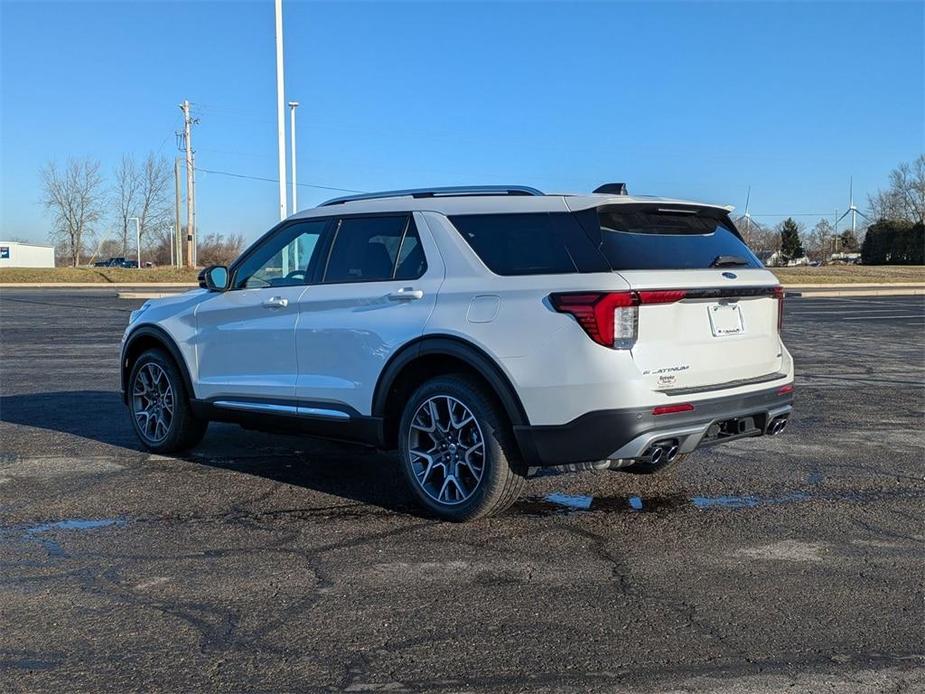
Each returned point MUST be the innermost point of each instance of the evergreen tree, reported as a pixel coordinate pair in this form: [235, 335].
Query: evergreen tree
[790, 244]
[847, 242]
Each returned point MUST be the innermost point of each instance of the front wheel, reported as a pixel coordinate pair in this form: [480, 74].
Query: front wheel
[159, 405]
[457, 450]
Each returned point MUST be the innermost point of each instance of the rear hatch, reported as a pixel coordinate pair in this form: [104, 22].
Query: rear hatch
[708, 310]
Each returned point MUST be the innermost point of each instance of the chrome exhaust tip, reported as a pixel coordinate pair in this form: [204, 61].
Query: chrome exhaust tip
[672, 452]
[777, 426]
[653, 455]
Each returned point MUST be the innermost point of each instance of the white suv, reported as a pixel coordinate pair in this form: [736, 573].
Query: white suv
[483, 332]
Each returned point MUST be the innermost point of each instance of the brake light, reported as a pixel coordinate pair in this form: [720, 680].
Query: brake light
[661, 296]
[672, 409]
[612, 318]
[779, 295]
[784, 390]
[608, 318]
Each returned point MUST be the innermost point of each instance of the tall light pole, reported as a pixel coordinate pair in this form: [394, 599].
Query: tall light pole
[137, 239]
[280, 110]
[292, 107]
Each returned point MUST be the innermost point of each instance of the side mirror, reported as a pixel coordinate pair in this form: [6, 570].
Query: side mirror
[214, 278]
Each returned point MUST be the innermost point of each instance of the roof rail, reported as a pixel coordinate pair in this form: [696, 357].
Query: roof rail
[447, 191]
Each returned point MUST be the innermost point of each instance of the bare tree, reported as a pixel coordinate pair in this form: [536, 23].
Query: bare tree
[904, 200]
[141, 191]
[216, 249]
[819, 241]
[154, 208]
[759, 238]
[74, 196]
[128, 182]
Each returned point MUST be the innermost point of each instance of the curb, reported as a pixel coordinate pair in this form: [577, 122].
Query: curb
[848, 290]
[146, 295]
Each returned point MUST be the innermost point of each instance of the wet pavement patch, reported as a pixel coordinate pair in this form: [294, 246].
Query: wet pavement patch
[746, 501]
[560, 503]
[37, 533]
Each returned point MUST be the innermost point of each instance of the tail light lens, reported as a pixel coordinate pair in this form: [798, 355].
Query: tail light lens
[605, 316]
[611, 318]
[779, 295]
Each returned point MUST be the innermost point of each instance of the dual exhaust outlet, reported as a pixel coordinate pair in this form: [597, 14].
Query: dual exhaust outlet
[777, 426]
[661, 452]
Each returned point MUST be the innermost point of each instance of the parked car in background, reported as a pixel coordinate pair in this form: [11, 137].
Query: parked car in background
[110, 262]
[481, 332]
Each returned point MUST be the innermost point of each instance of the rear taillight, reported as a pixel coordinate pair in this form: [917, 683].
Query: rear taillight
[779, 295]
[611, 318]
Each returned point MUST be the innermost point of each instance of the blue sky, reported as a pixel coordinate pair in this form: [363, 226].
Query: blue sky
[688, 99]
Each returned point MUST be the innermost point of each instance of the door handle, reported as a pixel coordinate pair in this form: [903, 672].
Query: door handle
[276, 302]
[406, 294]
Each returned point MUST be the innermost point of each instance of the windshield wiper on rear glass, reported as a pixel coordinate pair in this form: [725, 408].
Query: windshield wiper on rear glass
[728, 261]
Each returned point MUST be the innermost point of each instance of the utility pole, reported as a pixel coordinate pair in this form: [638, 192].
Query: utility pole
[195, 226]
[190, 199]
[172, 234]
[292, 107]
[280, 110]
[177, 230]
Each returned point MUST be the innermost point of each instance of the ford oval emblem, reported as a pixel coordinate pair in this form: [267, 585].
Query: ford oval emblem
[730, 275]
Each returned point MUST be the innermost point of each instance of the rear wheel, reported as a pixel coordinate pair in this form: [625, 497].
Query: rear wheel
[159, 405]
[457, 450]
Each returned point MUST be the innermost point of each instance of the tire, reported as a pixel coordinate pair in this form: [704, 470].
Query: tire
[483, 443]
[643, 469]
[156, 387]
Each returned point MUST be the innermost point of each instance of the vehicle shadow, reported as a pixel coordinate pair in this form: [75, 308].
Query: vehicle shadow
[339, 469]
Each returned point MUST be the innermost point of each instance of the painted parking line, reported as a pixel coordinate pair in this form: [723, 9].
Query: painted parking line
[853, 312]
[884, 302]
[878, 317]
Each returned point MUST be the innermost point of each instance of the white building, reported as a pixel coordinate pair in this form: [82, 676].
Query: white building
[16, 254]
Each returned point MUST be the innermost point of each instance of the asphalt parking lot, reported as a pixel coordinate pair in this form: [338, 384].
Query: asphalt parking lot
[270, 563]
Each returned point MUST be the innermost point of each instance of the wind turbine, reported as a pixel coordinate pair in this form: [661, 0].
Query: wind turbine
[748, 217]
[852, 209]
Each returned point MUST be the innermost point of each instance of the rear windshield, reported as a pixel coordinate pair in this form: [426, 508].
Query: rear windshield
[650, 237]
[552, 243]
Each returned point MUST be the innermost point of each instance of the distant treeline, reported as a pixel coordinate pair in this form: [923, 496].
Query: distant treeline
[894, 243]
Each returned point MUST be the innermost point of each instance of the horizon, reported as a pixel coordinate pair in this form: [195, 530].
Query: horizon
[706, 100]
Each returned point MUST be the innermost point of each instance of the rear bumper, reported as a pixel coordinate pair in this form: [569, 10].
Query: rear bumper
[627, 434]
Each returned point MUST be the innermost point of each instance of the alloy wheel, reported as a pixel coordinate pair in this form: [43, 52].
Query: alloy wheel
[446, 450]
[152, 402]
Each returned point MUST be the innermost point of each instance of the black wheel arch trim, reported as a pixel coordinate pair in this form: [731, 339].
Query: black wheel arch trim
[458, 348]
[167, 342]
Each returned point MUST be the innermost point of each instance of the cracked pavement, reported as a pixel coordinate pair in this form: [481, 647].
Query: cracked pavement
[275, 563]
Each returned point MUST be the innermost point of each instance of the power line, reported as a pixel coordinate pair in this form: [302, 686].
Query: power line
[276, 180]
[792, 214]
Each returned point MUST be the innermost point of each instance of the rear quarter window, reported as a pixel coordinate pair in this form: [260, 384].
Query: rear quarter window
[531, 243]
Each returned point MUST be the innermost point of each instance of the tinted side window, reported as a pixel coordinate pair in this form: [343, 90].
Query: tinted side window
[283, 260]
[531, 244]
[371, 249]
